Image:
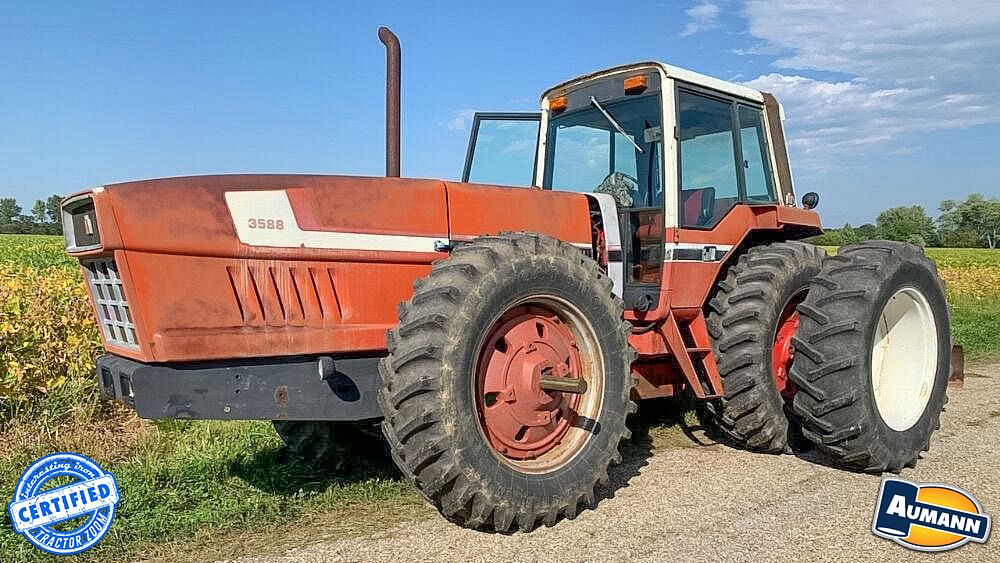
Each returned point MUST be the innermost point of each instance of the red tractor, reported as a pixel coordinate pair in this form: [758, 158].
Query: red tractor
[502, 335]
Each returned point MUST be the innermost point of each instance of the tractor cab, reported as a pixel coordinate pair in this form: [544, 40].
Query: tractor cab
[674, 150]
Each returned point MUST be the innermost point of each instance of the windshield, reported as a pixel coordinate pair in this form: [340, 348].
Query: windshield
[588, 153]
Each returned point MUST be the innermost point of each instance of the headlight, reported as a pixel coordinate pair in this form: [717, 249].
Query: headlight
[80, 224]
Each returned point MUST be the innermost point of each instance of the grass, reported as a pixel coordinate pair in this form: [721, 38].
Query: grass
[184, 479]
[976, 326]
[208, 489]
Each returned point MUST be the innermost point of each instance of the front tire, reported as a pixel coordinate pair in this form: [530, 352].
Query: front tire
[873, 357]
[464, 414]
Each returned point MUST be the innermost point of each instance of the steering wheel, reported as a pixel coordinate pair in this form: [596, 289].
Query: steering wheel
[620, 186]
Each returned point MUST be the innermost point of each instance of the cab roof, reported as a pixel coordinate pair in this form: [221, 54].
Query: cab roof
[677, 73]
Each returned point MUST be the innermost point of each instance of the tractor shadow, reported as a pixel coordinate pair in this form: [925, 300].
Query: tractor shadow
[799, 446]
[660, 425]
[282, 472]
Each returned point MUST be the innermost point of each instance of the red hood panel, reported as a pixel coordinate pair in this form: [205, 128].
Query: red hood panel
[191, 215]
[217, 267]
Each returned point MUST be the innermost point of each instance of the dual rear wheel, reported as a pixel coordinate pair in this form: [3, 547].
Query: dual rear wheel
[851, 351]
[871, 387]
[752, 318]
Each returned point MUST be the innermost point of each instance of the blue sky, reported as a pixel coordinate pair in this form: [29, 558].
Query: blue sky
[887, 103]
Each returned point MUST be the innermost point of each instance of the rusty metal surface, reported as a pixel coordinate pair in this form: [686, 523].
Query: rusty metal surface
[392, 95]
[563, 384]
[956, 377]
[657, 378]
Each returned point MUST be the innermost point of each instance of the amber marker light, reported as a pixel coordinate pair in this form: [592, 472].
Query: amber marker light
[635, 84]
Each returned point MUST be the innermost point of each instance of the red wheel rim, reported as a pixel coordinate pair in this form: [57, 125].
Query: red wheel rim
[534, 429]
[782, 351]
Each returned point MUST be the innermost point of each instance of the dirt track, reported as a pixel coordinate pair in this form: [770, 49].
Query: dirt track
[713, 503]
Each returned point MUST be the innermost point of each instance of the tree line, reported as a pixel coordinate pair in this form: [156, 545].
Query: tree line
[45, 217]
[973, 223]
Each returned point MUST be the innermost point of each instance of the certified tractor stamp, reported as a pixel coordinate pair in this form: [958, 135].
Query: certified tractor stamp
[73, 513]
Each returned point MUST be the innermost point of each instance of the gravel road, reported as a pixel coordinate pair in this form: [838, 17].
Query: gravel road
[714, 503]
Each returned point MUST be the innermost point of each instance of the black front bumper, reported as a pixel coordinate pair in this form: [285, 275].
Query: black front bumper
[261, 389]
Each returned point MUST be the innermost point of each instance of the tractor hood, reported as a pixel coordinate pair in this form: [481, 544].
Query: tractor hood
[286, 216]
[264, 216]
[213, 267]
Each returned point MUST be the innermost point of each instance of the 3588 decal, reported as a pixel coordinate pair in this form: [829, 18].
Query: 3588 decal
[269, 224]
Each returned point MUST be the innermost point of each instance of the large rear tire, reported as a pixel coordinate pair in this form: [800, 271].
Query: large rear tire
[751, 317]
[465, 416]
[873, 355]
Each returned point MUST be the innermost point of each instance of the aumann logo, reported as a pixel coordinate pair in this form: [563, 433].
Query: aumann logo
[929, 516]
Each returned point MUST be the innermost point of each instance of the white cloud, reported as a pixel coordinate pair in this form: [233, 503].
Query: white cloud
[461, 120]
[701, 17]
[909, 66]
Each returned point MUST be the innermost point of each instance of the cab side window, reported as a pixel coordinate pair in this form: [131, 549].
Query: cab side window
[709, 182]
[502, 149]
[756, 159]
[718, 168]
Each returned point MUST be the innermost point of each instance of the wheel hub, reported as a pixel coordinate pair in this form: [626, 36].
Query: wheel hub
[782, 351]
[521, 420]
[904, 359]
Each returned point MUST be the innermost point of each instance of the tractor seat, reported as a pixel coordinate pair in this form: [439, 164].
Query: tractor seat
[697, 206]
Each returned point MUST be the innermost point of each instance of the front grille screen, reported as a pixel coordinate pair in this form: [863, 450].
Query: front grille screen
[109, 297]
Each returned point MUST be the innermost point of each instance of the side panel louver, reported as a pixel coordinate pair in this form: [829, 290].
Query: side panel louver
[285, 296]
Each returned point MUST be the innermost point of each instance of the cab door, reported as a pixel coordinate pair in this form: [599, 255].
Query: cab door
[724, 170]
[724, 159]
[502, 149]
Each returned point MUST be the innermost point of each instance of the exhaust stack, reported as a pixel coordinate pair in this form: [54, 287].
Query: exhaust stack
[392, 73]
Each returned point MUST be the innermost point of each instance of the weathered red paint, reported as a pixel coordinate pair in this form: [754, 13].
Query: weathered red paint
[476, 210]
[197, 293]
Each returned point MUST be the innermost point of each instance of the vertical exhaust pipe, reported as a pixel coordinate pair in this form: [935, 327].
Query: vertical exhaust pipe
[392, 73]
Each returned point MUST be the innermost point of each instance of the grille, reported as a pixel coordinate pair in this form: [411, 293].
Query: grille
[109, 297]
